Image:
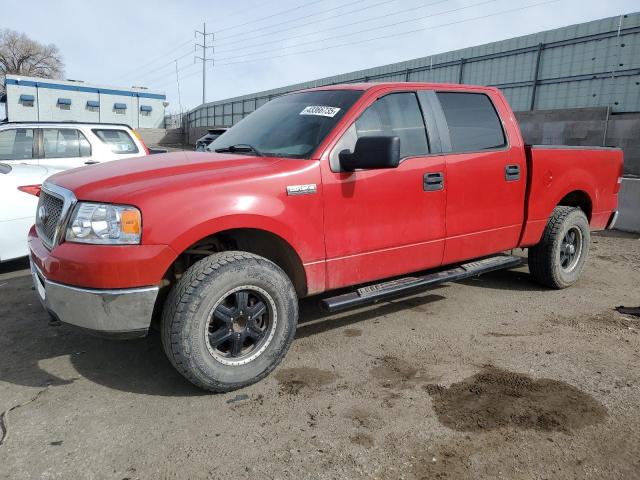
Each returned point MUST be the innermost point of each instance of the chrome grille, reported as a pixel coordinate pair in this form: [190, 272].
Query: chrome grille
[48, 216]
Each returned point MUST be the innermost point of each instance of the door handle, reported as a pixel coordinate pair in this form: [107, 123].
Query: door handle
[432, 182]
[91, 162]
[512, 173]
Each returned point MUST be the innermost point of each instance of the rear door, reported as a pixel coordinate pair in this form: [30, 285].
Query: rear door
[381, 223]
[64, 148]
[18, 145]
[485, 175]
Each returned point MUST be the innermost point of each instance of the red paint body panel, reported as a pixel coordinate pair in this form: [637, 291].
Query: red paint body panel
[381, 223]
[357, 227]
[556, 172]
[102, 266]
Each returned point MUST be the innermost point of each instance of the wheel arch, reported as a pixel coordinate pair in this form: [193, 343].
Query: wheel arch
[577, 196]
[265, 243]
[580, 199]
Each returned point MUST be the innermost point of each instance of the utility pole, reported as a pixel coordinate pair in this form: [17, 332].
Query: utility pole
[204, 58]
[178, 82]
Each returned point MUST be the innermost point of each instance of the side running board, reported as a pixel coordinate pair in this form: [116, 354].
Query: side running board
[406, 285]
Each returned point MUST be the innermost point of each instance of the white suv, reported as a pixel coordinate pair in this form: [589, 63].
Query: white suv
[64, 145]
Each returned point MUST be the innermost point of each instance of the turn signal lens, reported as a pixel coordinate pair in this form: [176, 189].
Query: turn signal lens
[130, 222]
[31, 189]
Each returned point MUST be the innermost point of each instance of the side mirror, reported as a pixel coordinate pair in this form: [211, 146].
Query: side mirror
[372, 153]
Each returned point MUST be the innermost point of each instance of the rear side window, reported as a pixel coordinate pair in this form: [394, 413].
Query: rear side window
[16, 144]
[473, 122]
[119, 140]
[396, 115]
[65, 143]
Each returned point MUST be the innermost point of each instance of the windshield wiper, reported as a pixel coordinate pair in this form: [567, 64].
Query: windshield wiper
[238, 147]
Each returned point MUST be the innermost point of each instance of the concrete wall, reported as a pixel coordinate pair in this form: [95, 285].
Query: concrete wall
[629, 206]
[46, 107]
[193, 134]
[624, 132]
[162, 137]
[585, 127]
[579, 126]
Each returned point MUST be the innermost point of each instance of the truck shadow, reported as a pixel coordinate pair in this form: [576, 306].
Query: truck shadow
[510, 280]
[34, 354]
[314, 320]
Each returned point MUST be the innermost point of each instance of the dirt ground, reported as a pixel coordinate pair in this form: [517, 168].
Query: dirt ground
[492, 377]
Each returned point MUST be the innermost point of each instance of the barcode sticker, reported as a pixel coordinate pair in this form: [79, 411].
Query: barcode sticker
[320, 111]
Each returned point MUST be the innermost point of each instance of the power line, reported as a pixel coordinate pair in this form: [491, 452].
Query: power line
[315, 14]
[344, 26]
[381, 37]
[165, 75]
[170, 63]
[164, 65]
[282, 12]
[362, 21]
[396, 34]
[301, 25]
[162, 57]
[350, 34]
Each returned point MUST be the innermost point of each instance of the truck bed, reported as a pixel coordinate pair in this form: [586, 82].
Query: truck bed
[589, 174]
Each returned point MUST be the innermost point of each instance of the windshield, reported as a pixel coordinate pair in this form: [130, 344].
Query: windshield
[289, 126]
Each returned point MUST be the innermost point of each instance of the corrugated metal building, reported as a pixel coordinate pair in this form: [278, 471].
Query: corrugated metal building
[594, 64]
[36, 99]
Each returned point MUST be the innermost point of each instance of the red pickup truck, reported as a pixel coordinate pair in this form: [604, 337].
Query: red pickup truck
[384, 188]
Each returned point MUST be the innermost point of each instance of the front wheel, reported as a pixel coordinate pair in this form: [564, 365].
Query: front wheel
[229, 320]
[559, 259]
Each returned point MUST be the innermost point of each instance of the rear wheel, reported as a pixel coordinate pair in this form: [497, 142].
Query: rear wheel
[559, 259]
[229, 320]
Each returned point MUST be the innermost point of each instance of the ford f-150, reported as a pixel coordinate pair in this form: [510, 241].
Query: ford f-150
[374, 189]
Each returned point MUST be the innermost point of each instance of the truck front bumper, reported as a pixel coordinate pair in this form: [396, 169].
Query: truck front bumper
[122, 313]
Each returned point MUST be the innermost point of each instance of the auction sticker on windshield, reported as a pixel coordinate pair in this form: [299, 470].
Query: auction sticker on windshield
[320, 111]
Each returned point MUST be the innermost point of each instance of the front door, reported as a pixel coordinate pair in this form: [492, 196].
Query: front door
[18, 145]
[381, 223]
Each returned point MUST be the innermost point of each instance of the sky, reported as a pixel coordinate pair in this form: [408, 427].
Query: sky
[260, 45]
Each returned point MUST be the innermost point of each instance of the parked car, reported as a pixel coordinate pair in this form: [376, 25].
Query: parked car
[212, 134]
[64, 145]
[330, 188]
[19, 190]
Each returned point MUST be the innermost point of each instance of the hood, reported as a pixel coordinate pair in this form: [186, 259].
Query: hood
[27, 174]
[123, 180]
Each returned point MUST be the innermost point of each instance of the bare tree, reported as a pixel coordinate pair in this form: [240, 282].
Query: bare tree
[22, 56]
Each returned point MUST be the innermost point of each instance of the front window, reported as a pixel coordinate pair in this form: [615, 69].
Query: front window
[394, 115]
[16, 144]
[289, 126]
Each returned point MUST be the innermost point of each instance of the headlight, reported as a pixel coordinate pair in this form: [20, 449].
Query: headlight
[104, 224]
